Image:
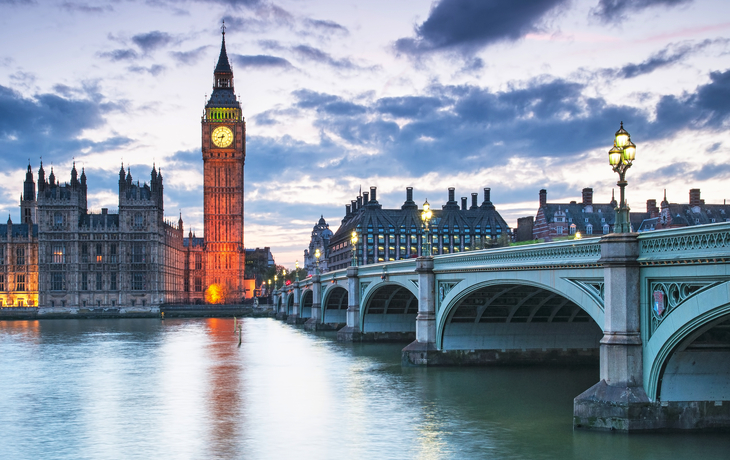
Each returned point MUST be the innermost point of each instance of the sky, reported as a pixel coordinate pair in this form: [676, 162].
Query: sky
[338, 95]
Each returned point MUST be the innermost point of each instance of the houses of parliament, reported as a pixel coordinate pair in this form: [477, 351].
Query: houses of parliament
[60, 255]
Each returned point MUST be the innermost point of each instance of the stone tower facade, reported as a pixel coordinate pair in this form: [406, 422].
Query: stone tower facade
[224, 155]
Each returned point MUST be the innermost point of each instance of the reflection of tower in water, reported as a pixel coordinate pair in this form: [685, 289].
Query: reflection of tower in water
[225, 405]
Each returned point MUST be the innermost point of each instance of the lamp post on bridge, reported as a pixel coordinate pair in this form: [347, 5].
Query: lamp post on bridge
[426, 215]
[353, 245]
[317, 255]
[621, 157]
[276, 283]
[296, 269]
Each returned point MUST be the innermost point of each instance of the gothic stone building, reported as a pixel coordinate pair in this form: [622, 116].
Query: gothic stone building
[62, 255]
[394, 234]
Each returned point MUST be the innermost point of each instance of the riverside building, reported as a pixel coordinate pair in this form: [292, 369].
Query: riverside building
[61, 255]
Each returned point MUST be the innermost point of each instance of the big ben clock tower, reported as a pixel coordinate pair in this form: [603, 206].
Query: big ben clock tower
[224, 154]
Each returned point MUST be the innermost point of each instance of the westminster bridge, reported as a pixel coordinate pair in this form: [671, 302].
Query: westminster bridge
[653, 308]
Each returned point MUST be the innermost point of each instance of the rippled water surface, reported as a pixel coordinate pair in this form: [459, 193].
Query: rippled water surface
[151, 389]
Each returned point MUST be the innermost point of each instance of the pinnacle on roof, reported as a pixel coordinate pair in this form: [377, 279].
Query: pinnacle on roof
[223, 65]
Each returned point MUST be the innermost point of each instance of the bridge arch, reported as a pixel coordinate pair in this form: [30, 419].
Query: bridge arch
[290, 303]
[279, 303]
[305, 304]
[519, 314]
[334, 305]
[687, 357]
[389, 307]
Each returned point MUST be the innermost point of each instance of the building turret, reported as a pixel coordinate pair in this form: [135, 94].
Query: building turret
[74, 176]
[52, 178]
[28, 203]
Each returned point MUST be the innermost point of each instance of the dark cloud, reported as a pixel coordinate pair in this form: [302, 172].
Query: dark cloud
[86, 8]
[326, 25]
[712, 171]
[615, 10]
[154, 69]
[51, 125]
[410, 106]
[188, 57]
[151, 41]
[714, 147]
[466, 125]
[120, 55]
[327, 104]
[467, 25]
[672, 54]
[260, 61]
[313, 54]
[260, 18]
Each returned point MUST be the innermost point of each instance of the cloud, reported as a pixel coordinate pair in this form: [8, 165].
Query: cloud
[467, 25]
[260, 61]
[120, 55]
[467, 125]
[52, 125]
[614, 10]
[672, 54]
[85, 8]
[326, 26]
[154, 69]
[188, 57]
[151, 41]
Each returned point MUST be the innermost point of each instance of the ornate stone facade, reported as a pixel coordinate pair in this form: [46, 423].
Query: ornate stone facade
[63, 256]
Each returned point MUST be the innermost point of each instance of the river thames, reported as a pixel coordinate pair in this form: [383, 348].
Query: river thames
[152, 389]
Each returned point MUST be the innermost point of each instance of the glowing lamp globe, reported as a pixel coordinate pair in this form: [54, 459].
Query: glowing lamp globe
[614, 155]
[622, 136]
[629, 152]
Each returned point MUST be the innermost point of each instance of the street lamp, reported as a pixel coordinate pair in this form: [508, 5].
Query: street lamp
[620, 157]
[276, 284]
[353, 245]
[426, 218]
[317, 255]
[296, 266]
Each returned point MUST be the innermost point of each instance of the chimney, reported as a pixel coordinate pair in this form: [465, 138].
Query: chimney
[359, 201]
[409, 193]
[365, 198]
[353, 205]
[104, 211]
[694, 197]
[587, 196]
[474, 204]
[651, 208]
[347, 210]
[543, 197]
[463, 203]
[372, 194]
[451, 193]
[487, 192]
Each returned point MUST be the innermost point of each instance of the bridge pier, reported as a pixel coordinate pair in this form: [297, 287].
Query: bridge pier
[352, 332]
[279, 308]
[422, 351]
[294, 317]
[313, 323]
[618, 401]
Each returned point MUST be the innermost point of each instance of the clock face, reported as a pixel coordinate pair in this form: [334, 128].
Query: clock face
[222, 136]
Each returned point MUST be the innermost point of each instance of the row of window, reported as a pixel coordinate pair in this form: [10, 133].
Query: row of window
[19, 256]
[19, 283]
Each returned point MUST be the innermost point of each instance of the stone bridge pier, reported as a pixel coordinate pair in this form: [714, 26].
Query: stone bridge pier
[618, 400]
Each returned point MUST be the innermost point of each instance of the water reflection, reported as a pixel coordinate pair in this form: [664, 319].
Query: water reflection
[185, 389]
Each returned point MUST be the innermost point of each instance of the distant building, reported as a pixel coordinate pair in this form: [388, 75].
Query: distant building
[563, 219]
[524, 229]
[258, 263]
[394, 234]
[673, 215]
[321, 235]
